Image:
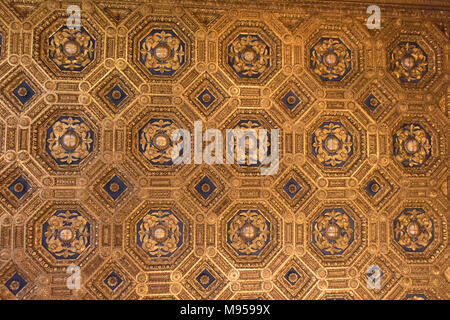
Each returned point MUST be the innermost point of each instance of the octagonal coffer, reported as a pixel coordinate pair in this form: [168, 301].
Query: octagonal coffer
[161, 48]
[162, 52]
[68, 53]
[251, 53]
[69, 140]
[71, 49]
[160, 233]
[66, 234]
[333, 231]
[330, 59]
[248, 232]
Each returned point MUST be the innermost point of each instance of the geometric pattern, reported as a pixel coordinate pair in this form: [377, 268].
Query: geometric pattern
[87, 178]
[19, 90]
[205, 280]
[206, 95]
[388, 274]
[16, 188]
[295, 278]
[294, 187]
[295, 98]
[378, 187]
[114, 93]
[112, 281]
[115, 187]
[206, 186]
[377, 99]
[15, 284]
[112, 187]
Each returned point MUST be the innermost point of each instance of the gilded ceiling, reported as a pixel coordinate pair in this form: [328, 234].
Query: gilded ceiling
[357, 208]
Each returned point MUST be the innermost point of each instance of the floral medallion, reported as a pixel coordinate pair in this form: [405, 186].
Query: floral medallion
[250, 52]
[71, 49]
[160, 233]
[332, 144]
[408, 62]
[330, 59]
[248, 232]
[249, 56]
[162, 52]
[413, 229]
[412, 145]
[69, 140]
[333, 231]
[66, 234]
[155, 142]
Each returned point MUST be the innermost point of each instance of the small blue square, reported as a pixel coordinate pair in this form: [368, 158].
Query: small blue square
[206, 98]
[372, 102]
[205, 187]
[15, 284]
[115, 187]
[373, 187]
[113, 280]
[19, 187]
[205, 278]
[23, 92]
[116, 95]
[292, 276]
[292, 188]
[290, 100]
